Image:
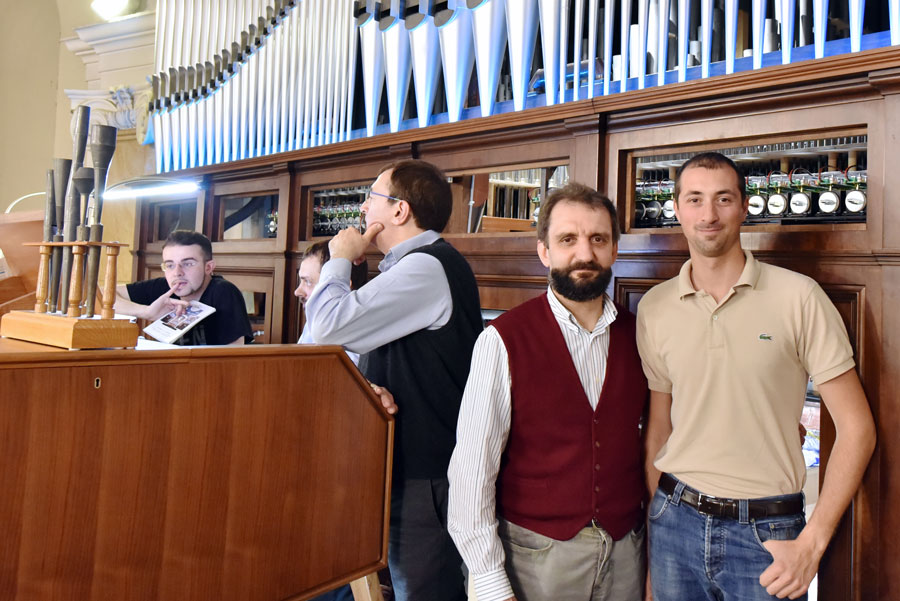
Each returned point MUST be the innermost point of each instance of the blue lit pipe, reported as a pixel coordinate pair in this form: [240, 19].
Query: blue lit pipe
[370, 47]
[820, 26]
[489, 32]
[426, 61]
[857, 11]
[397, 68]
[457, 54]
[521, 30]
[759, 31]
[788, 19]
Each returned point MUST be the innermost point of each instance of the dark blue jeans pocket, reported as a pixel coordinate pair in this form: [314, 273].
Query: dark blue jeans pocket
[658, 505]
[780, 528]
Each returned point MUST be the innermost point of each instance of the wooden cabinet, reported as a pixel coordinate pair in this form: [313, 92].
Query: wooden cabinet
[193, 474]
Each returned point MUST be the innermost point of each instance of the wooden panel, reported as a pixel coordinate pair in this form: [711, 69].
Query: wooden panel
[629, 291]
[835, 580]
[279, 184]
[189, 474]
[22, 303]
[11, 287]
[882, 563]
[506, 224]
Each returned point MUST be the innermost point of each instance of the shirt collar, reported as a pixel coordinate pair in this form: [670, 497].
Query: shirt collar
[401, 249]
[749, 276]
[565, 316]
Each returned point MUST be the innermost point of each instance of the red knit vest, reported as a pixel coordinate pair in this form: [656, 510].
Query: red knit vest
[565, 464]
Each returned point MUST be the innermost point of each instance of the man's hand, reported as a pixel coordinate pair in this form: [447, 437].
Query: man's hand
[351, 245]
[793, 567]
[387, 399]
[165, 304]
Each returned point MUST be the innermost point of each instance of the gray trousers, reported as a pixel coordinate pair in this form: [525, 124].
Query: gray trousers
[589, 567]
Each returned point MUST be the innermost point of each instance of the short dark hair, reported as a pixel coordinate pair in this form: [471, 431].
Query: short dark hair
[189, 238]
[318, 249]
[425, 188]
[579, 193]
[359, 274]
[711, 160]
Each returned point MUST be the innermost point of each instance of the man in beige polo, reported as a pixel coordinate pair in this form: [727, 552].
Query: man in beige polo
[728, 347]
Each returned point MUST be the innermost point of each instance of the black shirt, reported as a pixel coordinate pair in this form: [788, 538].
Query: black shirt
[226, 325]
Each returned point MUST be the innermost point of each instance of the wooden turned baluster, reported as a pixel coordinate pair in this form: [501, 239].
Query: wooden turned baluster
[109, 283]
[43, 283]
[75, 281]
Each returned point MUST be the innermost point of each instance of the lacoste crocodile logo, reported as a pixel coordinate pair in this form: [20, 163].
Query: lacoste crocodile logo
[765, 337]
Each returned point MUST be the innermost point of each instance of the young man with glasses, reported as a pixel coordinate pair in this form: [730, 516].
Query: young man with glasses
[188, 269]
[415, 325]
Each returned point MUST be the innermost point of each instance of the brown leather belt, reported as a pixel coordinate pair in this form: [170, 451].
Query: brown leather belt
[730, 508]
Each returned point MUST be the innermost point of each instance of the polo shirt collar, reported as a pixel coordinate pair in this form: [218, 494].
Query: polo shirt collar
[749, 276]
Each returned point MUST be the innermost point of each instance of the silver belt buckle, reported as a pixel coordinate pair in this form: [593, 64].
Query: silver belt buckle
[708, 505]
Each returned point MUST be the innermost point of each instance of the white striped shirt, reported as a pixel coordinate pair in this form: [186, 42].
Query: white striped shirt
[481, 434]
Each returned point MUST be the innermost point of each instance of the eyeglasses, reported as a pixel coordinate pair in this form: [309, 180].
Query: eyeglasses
[374, 193]
[185, 265]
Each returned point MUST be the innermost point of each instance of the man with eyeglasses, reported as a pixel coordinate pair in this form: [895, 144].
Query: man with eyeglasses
[188, 269]
[415, 325]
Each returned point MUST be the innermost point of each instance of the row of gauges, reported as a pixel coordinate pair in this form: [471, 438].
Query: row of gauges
[831, 196]
[337, 209]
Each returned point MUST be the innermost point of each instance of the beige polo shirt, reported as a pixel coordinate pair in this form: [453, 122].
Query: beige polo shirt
[737, 372]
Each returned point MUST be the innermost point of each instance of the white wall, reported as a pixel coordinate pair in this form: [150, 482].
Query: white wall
[29, 79]
[35, 113]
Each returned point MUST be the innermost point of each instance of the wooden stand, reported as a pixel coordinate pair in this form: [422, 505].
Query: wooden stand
[70, 330]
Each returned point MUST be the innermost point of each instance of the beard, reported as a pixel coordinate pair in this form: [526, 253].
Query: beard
[581, 290]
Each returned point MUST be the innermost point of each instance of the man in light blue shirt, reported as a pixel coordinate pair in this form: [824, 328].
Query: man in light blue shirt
[415, 325]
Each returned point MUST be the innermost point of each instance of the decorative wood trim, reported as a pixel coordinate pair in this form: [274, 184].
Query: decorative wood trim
[579, 126]
[511, 281]
[887, 82]
[757, 101]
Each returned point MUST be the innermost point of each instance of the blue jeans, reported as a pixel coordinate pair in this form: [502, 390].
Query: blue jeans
[698, 557]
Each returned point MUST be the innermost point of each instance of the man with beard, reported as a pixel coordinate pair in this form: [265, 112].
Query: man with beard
[188, 265]
[728, 348]
[546, 478]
